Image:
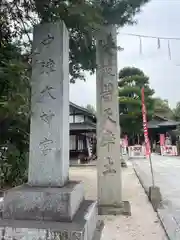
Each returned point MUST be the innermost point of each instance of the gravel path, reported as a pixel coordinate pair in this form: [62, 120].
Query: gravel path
[143, 224]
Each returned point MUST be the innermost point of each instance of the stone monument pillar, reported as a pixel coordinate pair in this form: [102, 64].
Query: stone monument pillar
[49, 147]
[49, 196]
[108, 130]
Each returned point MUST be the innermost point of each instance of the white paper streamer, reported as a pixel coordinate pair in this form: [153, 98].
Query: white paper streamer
[140, 45]
[169, 50]
[158, 43]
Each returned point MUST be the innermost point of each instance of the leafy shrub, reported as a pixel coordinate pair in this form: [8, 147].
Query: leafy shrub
[13, 167]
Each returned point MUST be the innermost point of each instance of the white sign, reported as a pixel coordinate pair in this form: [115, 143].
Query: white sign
[169, 150]
[137, 151]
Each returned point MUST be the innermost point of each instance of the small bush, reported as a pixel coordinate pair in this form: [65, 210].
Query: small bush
[13, 167]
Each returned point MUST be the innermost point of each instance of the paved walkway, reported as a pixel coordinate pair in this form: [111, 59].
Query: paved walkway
[143, 224]
[167, 177]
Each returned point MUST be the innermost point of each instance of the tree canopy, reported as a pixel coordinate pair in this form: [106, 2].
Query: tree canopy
[162, 108]
[176, 112]
[14, 114]
[82, 18]
[131, 81]
[91, 109]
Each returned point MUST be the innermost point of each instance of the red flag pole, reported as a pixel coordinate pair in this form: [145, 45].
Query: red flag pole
[146, 138]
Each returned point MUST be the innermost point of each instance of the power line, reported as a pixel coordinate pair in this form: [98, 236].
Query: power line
[157, 38]
[149, 36]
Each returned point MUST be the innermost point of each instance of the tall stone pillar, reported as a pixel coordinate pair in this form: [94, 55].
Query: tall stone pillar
[108, 130]
[49, 197]
[49, 147]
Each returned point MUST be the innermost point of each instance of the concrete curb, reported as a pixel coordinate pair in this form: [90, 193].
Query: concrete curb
[158, 214]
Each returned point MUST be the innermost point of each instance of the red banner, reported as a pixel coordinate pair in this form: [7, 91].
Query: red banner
[145, 128]
[162, 139]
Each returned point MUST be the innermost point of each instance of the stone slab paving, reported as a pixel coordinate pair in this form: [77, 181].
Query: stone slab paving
[167, 177]
[142, 225]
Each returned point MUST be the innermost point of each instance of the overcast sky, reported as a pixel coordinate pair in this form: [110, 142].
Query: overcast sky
[158, 18]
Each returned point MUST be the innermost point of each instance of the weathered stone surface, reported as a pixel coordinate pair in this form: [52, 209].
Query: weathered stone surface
[49, 136]
[49, 206]
[82, 227]
[35, 203]
[124, 209]
[155, 196]
[108, 131]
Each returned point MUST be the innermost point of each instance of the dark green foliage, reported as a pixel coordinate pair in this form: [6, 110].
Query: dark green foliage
[176, 112]
[162, 108]
[91, 109]
[131, 81]
[13, 167]
[82, 18]
[14, 114]
[121, 12]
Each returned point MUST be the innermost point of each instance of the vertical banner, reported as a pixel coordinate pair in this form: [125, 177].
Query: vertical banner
[144, 117]
[162, 139]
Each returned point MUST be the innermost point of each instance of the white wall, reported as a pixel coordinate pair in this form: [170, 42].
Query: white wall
[78, 119]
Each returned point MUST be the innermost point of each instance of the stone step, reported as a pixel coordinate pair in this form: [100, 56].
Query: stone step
[43, 203]
[82, 227]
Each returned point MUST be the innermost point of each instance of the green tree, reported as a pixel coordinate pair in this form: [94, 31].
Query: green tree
[162, 108]
[82, 18]
[131, 81]
[14, 110]
[176, 117]
[176, 112]
[91, 109]
[14, 114]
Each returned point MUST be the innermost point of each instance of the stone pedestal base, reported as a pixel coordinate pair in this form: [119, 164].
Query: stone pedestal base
[42, 203]
[155, 197]
[82, 227]
[124, 209]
